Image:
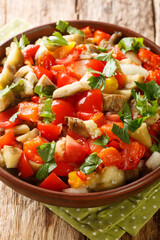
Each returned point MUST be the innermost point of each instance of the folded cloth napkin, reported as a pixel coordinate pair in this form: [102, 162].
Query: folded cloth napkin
[107, 222]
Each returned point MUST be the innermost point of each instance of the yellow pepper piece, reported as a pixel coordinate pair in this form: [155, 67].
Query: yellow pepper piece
[63, 51]
[111, 85]
[74, 181]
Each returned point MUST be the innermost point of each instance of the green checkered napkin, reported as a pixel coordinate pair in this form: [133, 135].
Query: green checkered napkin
[107, 222]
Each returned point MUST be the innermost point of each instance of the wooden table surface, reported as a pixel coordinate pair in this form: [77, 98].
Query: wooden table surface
[20, 217]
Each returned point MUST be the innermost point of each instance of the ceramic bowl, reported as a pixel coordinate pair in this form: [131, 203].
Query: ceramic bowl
[88, 199]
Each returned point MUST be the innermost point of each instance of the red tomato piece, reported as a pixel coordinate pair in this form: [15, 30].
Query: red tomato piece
[75, 151]
[95, 65]
[89, 101]
[64, 79]
[98, 118]
[28, 111]
[115, 144]
[46, 61]
[5, 116]
[24, 168]
[63, 109]
[30, 149]
[156, 127]
[117, 54]
[87, 31]
[111, 157]
[35, 99]
[39, 71]
[63, 169]
[93, 147]
[71, 57]
[84, 115]
[29, 53]
[121, 78]
[7, 139]
[49, 131]
[98, 36]
[53, 182]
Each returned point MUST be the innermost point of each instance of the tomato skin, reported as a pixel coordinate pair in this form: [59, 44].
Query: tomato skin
[53, 182]
[87, 31]
[117, 54]
[1, 69]
[64, 79]
[29, 53]
[99, 35]
[95, 65]
[30, 149]
[115, 144]
[39, 71]
[63, 169]
[5, 116]
[98, 118]
[49, 131]
[93, 147]
[121, 78]
[35, 99]
[28, 111]
[7, 139]
[112, 117]
[107, 128]
[63, 109]
[46, 61]
[84, 116]
[156, 127]
[24, 168]
[89, 101]
[71, 57]
[75, 151]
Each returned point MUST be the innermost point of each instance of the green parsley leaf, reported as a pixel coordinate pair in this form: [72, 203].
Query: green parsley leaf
[151, 89]
[130, 43]
[47, 114]
[110, 68]
[121, 133]
[46, 152]
[93, 71]
[102, 141]
[97, 82]
[62, 26]
[100, 49]
[145, 108]
[90, 164]
[56, 39]
[73, 30]
[47, 91]
[16, 87]
[14, 117]
[104, 56]
[22, 42]
[155, 147]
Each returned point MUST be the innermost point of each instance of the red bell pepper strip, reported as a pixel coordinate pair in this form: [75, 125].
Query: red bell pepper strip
[7, 139]
[28, 111]
[49, 131]
[5, 116]
[71, 57]
[98, 36]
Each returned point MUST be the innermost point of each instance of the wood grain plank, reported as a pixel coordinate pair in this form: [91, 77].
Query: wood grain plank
[2, 13]
[23, 219]
[156, 5]
[128, 13]
[40, 12]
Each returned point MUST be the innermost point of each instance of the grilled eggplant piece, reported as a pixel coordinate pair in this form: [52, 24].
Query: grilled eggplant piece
[113, 102]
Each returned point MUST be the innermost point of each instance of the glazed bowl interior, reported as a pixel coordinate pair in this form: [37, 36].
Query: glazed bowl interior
[87, 199]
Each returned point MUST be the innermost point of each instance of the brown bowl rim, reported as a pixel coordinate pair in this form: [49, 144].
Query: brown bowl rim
[122, 191]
